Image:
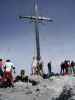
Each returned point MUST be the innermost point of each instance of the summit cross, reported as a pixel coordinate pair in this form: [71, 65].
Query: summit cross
[36, 19]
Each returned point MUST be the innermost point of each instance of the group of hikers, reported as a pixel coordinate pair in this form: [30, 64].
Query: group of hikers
[6, 71]
[67, 67]
[37, 67]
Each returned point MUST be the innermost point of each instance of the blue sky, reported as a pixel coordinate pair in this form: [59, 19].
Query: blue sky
[17, 38]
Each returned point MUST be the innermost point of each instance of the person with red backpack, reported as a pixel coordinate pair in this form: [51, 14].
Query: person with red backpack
[8, 70]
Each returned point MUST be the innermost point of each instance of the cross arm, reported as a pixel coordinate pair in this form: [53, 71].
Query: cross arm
[45, 19]
[27, 17]
[34, 18]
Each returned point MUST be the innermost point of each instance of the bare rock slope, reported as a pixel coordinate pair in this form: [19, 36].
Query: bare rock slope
[55, 88]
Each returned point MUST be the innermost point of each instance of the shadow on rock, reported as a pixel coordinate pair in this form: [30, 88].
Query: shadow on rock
[65, 95]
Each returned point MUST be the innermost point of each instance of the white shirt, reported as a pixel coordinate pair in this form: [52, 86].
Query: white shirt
[8, 66]
[34, 63]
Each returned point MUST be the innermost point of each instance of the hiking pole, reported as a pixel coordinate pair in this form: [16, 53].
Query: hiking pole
[27, 83]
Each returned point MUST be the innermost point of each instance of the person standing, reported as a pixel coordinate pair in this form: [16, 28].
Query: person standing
[1, 67]
[73, 67]
[40, 68]
[34, 66]
[62, 65]
[49, 68]
[8, 71]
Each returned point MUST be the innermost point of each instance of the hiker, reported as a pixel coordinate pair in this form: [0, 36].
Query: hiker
[62, 68]
[49, 68]
[1, 67]
[34, 66]
[41, 67]
[8, 71]
[66, 65]
[69, 67]
[73, 67]
[22, 73]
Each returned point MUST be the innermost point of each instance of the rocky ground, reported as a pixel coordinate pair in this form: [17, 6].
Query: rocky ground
[55, 88]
